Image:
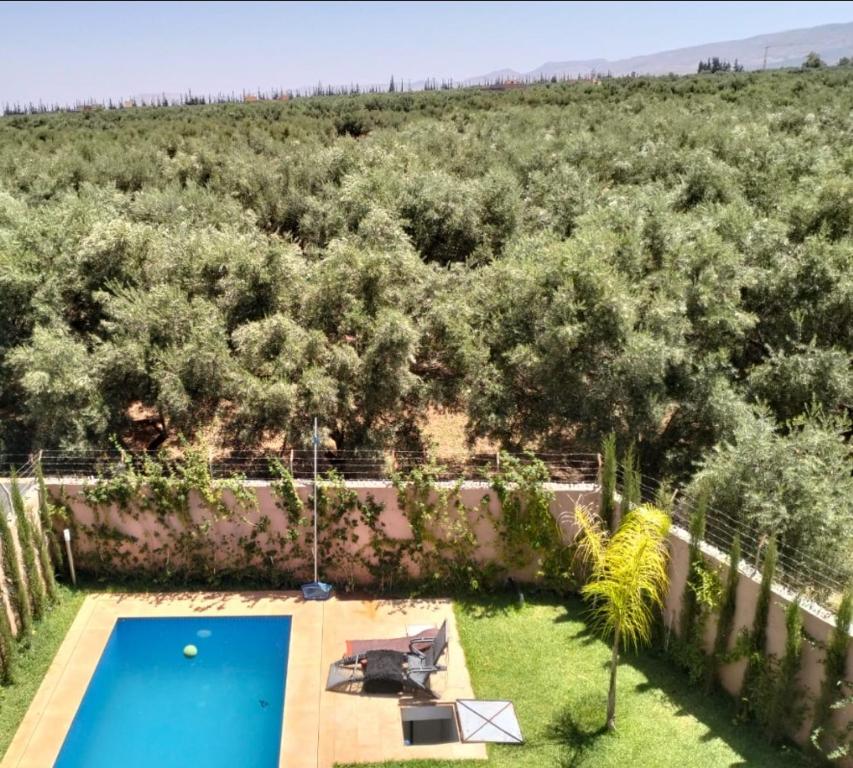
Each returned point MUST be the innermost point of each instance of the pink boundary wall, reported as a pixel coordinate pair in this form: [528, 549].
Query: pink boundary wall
[817, 623]
[396, 526]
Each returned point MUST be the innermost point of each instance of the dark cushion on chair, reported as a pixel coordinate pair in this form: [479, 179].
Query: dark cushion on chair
[383, 671]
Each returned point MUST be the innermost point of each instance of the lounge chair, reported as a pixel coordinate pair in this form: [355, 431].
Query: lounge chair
[420, 642]
[389, 670]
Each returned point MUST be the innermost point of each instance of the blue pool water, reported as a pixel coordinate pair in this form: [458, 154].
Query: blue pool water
[147, 706]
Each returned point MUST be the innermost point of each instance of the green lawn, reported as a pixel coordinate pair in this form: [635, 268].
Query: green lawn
[542, 658]
[32, 663]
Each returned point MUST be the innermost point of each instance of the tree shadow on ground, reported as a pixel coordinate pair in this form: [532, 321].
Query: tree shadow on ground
[586, 636]
[491, 605]
[575, 612]
[576, 728]
[716, 711]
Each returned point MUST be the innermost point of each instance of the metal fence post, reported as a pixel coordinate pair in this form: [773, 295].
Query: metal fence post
[315, 441]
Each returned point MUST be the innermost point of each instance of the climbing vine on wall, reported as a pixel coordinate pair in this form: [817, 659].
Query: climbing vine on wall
[350, 532]
[187, 542]
[443, 540]
[161, 488]
[163, 484]
[527, 524]
[340, 515]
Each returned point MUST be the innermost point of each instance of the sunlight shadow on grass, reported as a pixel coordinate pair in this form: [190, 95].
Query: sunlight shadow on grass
[492, 607]
[647, 686]
[586, 636]
[714, 712]
[576, 728]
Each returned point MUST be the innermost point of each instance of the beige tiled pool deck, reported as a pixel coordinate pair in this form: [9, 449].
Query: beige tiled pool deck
[320, 728]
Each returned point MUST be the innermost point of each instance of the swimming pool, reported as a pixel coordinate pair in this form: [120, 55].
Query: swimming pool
[149, 705]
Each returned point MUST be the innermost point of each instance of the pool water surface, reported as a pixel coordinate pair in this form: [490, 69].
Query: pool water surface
[149, 705]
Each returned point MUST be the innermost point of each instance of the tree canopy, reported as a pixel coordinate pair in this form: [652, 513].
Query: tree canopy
[656, 257]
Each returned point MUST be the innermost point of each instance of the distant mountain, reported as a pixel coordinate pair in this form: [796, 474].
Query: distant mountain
[784, 49]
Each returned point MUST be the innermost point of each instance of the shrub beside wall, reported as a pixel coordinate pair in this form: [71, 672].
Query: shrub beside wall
[830, 739]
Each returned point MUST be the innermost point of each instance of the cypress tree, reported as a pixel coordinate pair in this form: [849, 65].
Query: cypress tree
[786, 693]
[48, 545]
[756, 661]
[664, 496]
[762, 608]
[608, 481]
[14, 575]
[689, 603]
[726, 616]
[7, 648]
[631, 495]
[28, 550]
[835, 665]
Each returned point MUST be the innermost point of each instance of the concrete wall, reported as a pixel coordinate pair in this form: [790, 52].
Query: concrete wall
[817, 623]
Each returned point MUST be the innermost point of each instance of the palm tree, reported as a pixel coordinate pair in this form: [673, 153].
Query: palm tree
[627, 579]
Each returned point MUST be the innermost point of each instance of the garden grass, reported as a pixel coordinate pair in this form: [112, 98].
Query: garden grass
[543, 658]
[32, 662]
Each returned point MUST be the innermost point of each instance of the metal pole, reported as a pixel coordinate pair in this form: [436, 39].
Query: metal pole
[66, 534]
[316, 440]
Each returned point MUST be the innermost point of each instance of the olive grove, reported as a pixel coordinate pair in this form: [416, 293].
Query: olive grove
[670, 259]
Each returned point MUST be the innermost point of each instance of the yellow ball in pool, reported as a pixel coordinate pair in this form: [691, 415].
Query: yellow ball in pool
[190, 651]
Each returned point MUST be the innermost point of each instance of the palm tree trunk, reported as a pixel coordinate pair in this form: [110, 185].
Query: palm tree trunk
[611, 696]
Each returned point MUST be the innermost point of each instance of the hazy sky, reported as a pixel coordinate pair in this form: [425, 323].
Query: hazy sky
[68, 51]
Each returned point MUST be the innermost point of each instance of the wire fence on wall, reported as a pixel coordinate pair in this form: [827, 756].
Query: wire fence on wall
[811, 578]
[349, 464]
